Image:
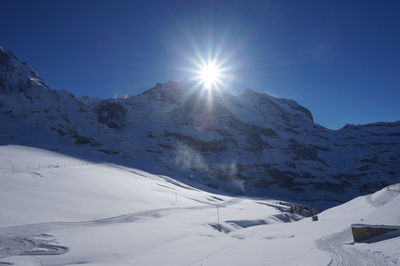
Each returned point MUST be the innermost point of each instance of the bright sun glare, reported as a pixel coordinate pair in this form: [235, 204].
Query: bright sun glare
[212, 72]
[210, 75]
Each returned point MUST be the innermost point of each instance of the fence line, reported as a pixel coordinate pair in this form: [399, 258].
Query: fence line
[17, 168]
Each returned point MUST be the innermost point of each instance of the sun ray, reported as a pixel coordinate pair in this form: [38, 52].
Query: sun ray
[210, 67]
[210, 74]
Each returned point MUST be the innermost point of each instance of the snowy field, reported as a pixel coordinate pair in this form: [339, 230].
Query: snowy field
[58, 210]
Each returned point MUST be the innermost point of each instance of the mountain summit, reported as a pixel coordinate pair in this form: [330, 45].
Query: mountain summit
[250, 143]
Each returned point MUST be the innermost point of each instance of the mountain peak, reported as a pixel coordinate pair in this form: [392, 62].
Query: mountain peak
[266, 143]
[4, 56]
[17, 76]
[286, 109]
[249, 91]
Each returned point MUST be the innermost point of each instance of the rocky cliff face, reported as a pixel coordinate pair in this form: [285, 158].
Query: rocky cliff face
[249, 143]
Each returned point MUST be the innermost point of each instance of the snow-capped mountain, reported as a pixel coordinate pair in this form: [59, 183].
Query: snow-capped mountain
[249, 143]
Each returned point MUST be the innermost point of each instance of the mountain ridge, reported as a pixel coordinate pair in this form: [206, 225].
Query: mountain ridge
[250, 143]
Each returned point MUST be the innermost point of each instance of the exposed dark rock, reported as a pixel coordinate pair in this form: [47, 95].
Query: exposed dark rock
[372, 186]
[83, 140]
[332, 187]
[112, 114]
[4, 57]
[109, 152]
[198, 144]
[302, 151]
[243, 138]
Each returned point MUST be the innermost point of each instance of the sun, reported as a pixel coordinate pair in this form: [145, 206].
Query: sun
[210, 75]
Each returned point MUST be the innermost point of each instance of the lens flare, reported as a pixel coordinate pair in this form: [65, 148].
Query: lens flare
[210, 75]
[211, 70]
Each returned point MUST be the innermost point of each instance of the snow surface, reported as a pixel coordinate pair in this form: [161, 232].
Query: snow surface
[59, 210]
[252, 143]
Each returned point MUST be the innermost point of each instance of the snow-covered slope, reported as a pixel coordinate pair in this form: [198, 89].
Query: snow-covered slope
[250, 143]
[60, 210]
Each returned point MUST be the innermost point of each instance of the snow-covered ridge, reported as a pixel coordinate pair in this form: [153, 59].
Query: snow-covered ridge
[16, 76]
[251, 143]
[62, 210]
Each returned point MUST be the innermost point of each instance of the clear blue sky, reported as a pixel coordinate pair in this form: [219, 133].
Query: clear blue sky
[340, 59]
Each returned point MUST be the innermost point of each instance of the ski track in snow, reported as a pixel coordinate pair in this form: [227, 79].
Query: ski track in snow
[31, 240]
[344, 254]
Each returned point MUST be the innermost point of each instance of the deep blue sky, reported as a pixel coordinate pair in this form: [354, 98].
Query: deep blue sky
[340, 59]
